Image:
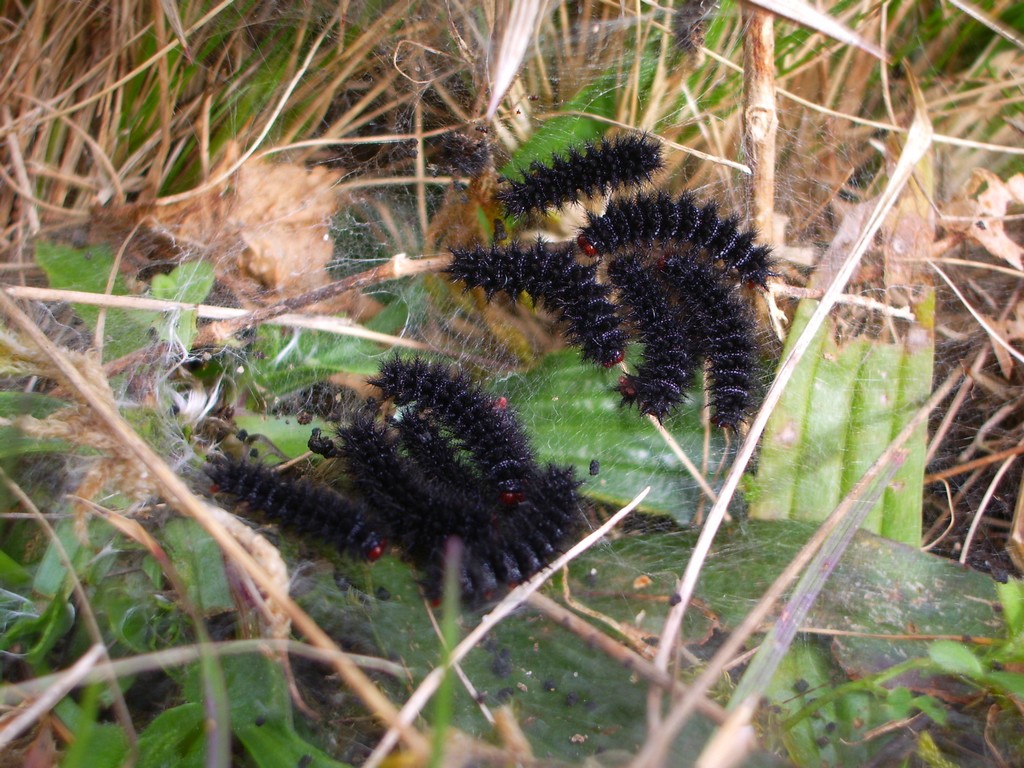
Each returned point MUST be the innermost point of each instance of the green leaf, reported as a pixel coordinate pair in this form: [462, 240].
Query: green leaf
[955, 658]
[28, 403]
[53, 624]
[200, 564]
[94, 745]
[1011, 682]
[12, 573]
[272, 746]
[285, 433]
[1011, 598]
[190, 283]
[89, 269]
[176, 737]
[51, 575]
[287, 359]
[842, 407]
[572, 413]
[932, 707]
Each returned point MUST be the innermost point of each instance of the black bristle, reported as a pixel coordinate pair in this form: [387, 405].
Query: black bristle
[646, 219]
[302, 505]
[727, 334]
[624, 161]
[670, 356]
[490, 435]
[555, 277]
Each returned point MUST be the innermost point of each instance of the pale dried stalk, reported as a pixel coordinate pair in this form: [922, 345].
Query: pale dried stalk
[174, 490]
[760, 120]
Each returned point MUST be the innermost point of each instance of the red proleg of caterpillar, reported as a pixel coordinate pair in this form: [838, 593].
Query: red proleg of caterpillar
[613, 361]
[626, 388]
[586, 246]
[511, 498]
[501, 403]
[376, 551]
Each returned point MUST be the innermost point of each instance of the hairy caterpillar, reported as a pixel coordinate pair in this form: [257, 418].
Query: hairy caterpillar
[452, 462]
[555, 277]
[627, 160]
[670, 356]
[646, 219]
[726, 334]
[300, 504]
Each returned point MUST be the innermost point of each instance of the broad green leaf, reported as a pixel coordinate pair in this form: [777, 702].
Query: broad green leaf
[560, 687]
[200, 564]
[571, 702]
[883, 587]
[191, 283]
[843, 406]
[572, 413]
[94, 744]
[176, 737]
[89, 269]
[284, 432]
[955, 658]
[285, 360]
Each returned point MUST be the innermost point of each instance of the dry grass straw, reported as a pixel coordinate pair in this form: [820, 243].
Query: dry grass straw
[115, 110]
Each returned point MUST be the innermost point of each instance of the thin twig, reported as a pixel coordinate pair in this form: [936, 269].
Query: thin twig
[989, 492]
[397, 266]
[60, 687]
[338, 325]
[182, 655]
[760, 120]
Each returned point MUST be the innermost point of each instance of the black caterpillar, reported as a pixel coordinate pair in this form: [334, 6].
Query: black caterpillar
[681, 308]
[627, 160]
[670, 356]
[453, 462]
[300, 504]
[646, 219]
[726, 333]
[555, 277]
